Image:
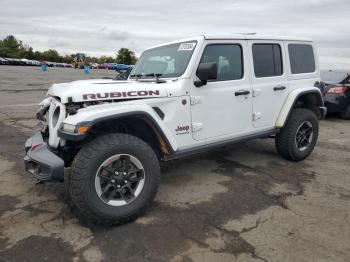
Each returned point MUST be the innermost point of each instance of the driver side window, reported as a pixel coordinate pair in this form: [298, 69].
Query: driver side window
[228, 58]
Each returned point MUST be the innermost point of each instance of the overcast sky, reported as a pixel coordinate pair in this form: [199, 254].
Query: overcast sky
[102, 27]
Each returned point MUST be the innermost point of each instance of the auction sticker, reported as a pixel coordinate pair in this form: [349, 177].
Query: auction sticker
[186, 46]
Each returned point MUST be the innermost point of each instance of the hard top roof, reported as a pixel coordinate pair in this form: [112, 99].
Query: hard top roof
[245, 36]
[254, 36]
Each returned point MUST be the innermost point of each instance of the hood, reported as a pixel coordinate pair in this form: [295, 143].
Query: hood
[106, 89]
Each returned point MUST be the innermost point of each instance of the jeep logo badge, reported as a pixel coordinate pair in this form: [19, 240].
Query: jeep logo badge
[181, 130]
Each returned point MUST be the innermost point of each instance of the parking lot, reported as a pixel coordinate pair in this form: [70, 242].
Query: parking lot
[239, 203]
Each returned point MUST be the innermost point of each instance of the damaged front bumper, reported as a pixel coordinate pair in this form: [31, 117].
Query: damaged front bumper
[39, 161]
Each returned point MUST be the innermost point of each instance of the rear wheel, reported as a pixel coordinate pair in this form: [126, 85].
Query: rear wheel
[113, 179]
[297, 139]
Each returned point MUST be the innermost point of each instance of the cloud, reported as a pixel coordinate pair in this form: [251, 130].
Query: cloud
[102, 27]
[118, 35]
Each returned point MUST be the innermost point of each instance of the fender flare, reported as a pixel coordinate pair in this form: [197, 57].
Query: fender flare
[91, 117]
[291, 100]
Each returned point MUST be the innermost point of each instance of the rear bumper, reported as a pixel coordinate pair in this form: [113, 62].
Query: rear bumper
[39, 161]
[335, 103]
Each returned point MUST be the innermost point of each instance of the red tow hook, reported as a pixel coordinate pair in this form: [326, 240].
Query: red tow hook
[34, 146]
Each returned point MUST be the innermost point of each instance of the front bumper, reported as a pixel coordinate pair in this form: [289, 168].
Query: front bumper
[39, 161]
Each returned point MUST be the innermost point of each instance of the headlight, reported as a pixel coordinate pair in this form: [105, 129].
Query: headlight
[81, 128]
[46, 101]
[40, 114]
[68, 128]
[44, 106]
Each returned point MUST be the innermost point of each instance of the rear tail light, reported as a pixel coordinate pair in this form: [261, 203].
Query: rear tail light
[337, 90]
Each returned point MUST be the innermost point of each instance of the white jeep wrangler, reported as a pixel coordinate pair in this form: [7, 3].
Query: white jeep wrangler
[181, 98]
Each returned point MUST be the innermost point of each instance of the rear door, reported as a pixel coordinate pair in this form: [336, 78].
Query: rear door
[269, 81]
[223, 107]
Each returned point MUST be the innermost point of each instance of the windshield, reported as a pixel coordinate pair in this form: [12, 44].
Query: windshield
[165, 61]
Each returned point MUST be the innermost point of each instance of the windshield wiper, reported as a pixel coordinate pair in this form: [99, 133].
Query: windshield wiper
[156, 77]
[136, 76]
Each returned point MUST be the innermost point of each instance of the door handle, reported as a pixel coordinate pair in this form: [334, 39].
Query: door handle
[242, 93]
[277, 88]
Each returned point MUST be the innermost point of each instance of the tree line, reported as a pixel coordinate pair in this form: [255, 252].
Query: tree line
[13, 48]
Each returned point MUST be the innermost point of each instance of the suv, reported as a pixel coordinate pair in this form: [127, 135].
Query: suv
[181, 98]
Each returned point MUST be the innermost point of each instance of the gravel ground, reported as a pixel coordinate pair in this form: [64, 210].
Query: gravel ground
[239, 203]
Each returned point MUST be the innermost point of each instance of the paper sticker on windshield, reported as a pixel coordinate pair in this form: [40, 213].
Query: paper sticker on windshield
[186, 46]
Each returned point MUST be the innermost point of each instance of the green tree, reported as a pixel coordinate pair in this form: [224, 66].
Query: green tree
[37, 55]
[67, 59]
[26, 51]
[10, 47]
[94, 59]
[14, 48]
[105, 59]
[51, 55]
[125, 56]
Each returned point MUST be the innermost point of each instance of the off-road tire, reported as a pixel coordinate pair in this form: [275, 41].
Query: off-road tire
[85, 202]
[285, 139]
[346, 113]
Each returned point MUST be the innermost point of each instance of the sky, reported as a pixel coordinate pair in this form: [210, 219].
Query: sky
[102, 27]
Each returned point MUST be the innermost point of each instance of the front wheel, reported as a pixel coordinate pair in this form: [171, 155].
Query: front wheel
[297, 139]
[113, 179]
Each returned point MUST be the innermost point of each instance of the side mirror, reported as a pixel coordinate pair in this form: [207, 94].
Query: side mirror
[205, 72]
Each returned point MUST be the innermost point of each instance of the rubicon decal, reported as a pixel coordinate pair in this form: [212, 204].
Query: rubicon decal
[112, 95]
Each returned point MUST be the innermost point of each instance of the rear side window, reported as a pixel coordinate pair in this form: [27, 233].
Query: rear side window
[301, 58]
[228, 58]
[267, 60]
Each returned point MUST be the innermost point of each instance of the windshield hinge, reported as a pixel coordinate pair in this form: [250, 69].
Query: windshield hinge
[195, 100]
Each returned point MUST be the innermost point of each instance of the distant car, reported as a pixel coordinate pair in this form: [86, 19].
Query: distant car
[3, 61]
[121, 67]
[26, 61]
[30, 62]
[10, 61]
[335, 87]
[15, 61]
[105, 66]
[35, 63]
[123, 75]
[94, 66]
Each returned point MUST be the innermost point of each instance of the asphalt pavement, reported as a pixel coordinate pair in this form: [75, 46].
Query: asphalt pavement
[240, 203]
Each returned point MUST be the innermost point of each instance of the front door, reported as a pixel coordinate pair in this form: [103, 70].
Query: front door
[223, 107]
